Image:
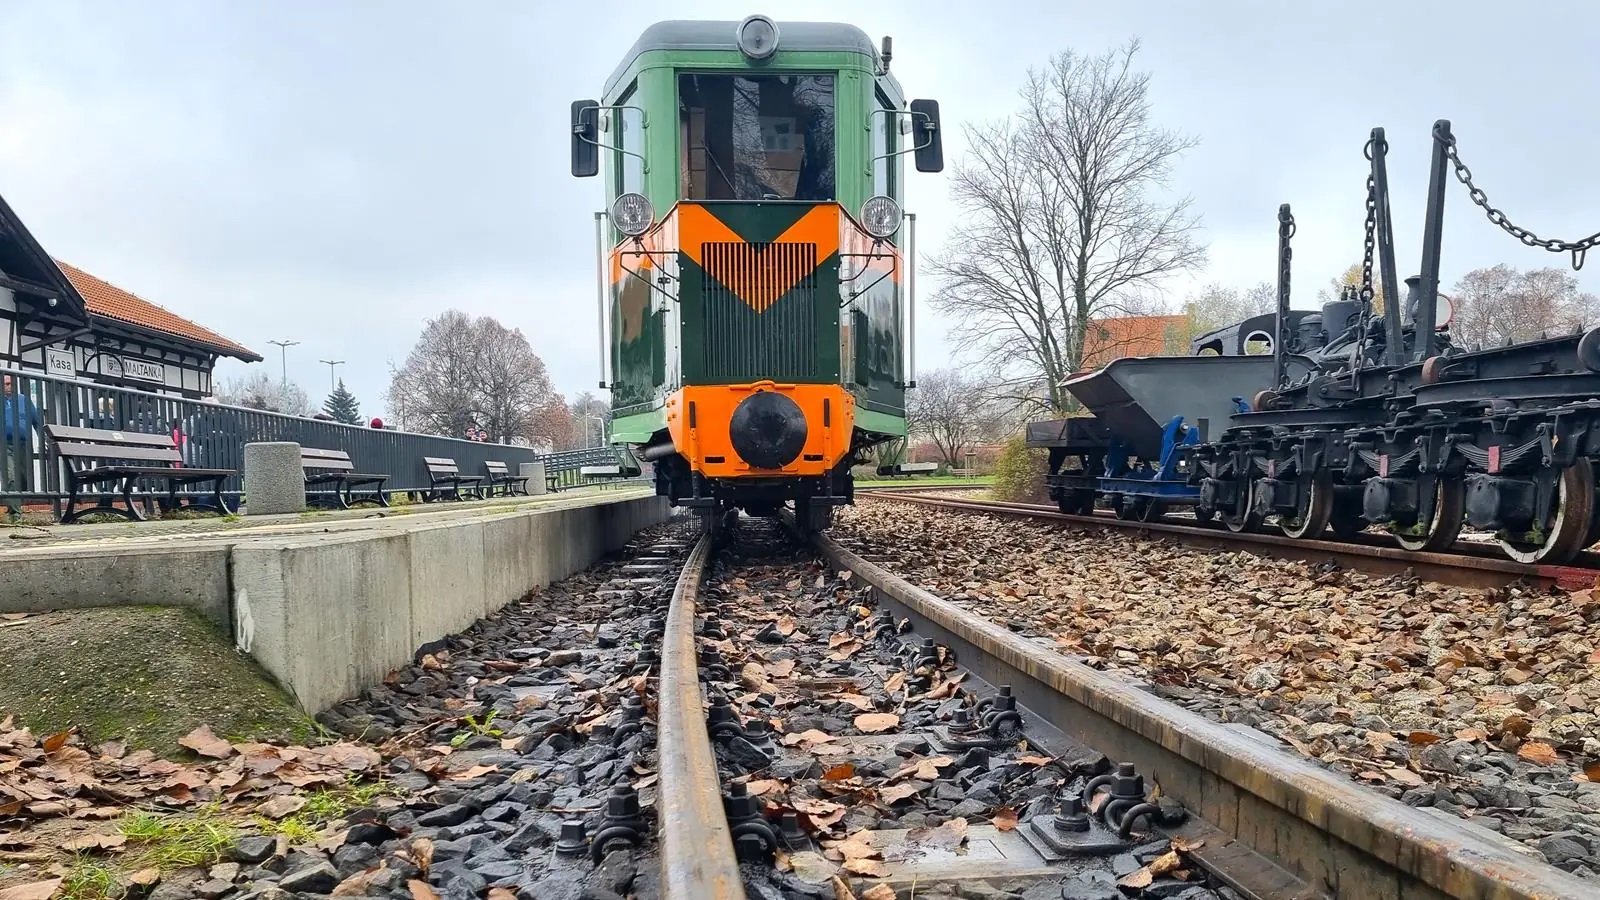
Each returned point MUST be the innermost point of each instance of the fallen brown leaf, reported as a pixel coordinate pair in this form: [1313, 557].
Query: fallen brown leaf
[841, 890]
[1422, 738]
[840, 772]
[870, 868]
[422, 854]
[204, 742]
[1539, 753]
[763, 786]
[94, 842]
[421, 890]
[1165, 863]
[1004, 819]
[1036, 760]
[878, 892]
[894, 793]
[1591, 770]
[500, 893]
[1138, 878]
[36, 890]
[896, 682]
[55, 742]
[872, 723]
[1472, 734]
[280, 806]
[145, 877]
[785, 625]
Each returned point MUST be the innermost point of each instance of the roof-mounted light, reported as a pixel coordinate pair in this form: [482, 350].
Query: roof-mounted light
[758, 37]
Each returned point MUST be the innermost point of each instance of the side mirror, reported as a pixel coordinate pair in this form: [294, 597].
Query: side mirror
[585, 138]
[927, 140]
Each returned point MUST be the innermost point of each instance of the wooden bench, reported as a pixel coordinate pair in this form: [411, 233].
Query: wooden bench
[325, 467]
[500, 477]
[441, 472]
[97, 456]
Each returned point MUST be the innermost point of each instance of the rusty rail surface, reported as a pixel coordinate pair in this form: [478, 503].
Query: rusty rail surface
[1333, 834]
[697, 856]
[1464, 569]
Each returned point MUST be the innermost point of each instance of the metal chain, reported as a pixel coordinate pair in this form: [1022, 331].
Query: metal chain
[1578, 249]
[1370, 242]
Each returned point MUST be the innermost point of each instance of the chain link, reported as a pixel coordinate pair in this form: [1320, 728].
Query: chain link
[1369, 242]
[1578, 249]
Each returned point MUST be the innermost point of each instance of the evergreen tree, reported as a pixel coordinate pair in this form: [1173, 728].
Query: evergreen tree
[342, 405]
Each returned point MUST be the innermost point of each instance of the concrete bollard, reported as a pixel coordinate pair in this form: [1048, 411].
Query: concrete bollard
[534, 472]
[274, 482]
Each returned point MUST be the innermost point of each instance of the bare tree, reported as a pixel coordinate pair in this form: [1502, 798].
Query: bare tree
[1063, 219]
[954, 411]
[465, 373]
[259, 390]
[1499, 304]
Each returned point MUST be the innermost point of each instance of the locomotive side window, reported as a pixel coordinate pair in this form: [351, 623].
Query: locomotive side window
[885, 141]
[630, 136]
[756, 137]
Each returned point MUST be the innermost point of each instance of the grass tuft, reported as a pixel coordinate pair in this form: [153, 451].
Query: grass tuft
[88, 878]
[175, 842]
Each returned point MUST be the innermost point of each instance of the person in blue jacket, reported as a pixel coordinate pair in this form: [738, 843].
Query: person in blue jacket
[20, 420]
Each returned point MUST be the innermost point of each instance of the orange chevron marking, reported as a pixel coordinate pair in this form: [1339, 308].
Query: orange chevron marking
[759, 277]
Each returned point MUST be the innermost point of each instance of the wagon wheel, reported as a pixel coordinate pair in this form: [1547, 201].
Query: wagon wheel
[1076, 502]
[1248, 520]
[1307, 522]
[1448, 507]
[1574, 508]
[1204, 516]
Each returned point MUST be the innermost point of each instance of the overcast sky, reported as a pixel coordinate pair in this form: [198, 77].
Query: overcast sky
[338, 172]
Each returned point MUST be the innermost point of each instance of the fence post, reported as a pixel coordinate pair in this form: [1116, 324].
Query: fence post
[274, 481]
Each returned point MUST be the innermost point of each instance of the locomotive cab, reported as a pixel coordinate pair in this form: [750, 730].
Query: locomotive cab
[755, 267]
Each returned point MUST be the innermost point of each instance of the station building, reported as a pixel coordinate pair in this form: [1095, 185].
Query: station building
[60, 320]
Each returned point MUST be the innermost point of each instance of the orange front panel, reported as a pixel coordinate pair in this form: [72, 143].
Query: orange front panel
[698, 418]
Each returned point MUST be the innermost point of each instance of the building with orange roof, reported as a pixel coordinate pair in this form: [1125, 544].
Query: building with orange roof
[59, 319]
[1113, 338]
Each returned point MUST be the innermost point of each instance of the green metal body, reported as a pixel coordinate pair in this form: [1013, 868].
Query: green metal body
[689, 330]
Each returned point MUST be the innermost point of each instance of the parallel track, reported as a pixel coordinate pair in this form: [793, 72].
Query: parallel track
[1465, 567]
[697, 856]
[1275, 811]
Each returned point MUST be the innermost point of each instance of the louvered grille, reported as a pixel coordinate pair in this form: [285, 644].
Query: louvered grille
[760, 310]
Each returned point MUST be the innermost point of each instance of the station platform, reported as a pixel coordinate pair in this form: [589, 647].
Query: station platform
[327, 602]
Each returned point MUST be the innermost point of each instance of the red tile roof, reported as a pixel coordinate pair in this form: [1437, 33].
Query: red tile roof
[111, 302]
[1114, 338]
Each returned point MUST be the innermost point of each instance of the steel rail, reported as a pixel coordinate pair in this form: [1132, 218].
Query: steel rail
[1280, 809]
[1457, 568]
[697, 856]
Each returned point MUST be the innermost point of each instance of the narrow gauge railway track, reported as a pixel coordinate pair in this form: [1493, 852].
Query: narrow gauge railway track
[1264, 822]
[1466, 566]
[1267, 812]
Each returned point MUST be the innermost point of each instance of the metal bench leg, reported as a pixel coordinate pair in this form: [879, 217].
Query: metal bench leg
[127, 499]
[383, 499]
[222, 504]
[68, 516]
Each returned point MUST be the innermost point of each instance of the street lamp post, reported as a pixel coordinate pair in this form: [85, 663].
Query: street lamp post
[332, 383]
[283, 347]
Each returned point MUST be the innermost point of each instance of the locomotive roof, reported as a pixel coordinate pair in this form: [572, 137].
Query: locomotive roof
[684, 34]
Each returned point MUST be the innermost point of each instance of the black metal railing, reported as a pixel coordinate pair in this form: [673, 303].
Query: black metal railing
[212, 436]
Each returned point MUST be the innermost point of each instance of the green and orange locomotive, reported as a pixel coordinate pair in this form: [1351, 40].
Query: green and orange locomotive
[756, 270]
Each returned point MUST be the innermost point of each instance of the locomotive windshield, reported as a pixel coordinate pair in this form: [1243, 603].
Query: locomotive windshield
[756, 137]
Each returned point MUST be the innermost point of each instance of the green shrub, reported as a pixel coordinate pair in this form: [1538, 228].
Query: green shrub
[1019, 473]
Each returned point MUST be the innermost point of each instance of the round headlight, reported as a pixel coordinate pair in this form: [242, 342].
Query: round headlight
[880, 216]
[632, 214]
[758, 37]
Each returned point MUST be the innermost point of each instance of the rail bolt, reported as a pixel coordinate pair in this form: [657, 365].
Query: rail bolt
[739, 805]
[574, 839]
[623, 804]
[1070, 815]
